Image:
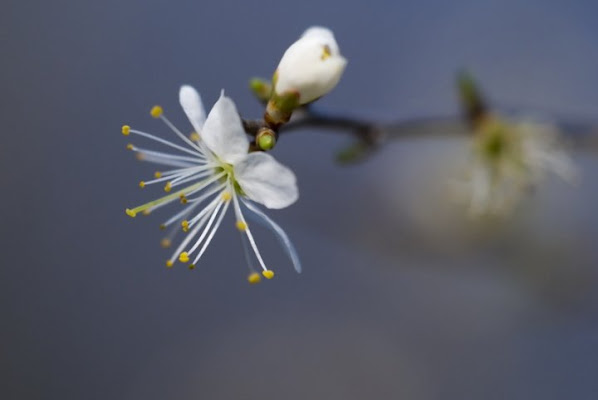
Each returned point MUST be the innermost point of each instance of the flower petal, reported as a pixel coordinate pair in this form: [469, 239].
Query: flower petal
[193, 107]
[323, 34]
[223, 132]
[266, 181]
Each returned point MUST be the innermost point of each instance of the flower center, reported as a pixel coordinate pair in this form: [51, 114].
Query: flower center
[495, 146]
[229, 175]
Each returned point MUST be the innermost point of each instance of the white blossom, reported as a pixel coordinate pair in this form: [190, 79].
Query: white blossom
[213, 169]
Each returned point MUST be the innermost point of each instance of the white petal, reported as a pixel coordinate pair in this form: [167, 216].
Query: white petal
[286, 243]
[323, 34]
[193, 107]
[266, 181]
[223, 132]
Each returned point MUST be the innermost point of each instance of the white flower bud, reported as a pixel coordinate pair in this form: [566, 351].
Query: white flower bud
[311, 67]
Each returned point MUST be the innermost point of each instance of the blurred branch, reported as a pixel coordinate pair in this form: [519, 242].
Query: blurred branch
[582, 136]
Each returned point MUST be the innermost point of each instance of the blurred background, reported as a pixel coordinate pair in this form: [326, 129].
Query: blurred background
[401, 296]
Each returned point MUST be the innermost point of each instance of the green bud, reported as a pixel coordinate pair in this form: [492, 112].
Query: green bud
[354, 153]
[471, 98]
[261, 89]
[265, 139]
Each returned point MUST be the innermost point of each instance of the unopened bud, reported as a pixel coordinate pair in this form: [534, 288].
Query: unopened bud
[472, 101]
[265, 139]
[310, 67]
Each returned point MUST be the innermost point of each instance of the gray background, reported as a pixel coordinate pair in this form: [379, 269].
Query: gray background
[401, 297]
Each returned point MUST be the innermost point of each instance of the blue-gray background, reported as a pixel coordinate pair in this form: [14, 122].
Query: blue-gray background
[401, 297]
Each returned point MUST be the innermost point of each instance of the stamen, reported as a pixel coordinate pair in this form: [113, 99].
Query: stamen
[130, 146]
[167, 143]
[168, 162]
[141, 184]
[192, 234]
[226, 196]
[182, 175]
[169, 263]
[126, 129]
[194, 136]
[168, 187]
[194, 160]
[195, 203]
[188, 210]
[241, 225]
[252, 274]
[180, 134]
[284, 240]
[165, 199]
[240, 217]
[213, 232]
[207, 194]
[157, 174]
[156, 111]
[214, 213]
[268, 274]
[198, 173]
[165, 243]
[254, 278]
[184, 257]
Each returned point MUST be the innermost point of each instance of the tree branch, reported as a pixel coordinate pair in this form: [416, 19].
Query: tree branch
[581, 135]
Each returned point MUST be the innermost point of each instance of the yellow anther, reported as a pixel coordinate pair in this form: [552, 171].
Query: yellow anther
[184, 257]
[147, 211]
[268, 274]
[165, 243]
[169, 264]
[126, 129]
[194, 136]
[254, 278]
[162, 227]
[156, 111]
[326, 52]
[140, 156]
[130, 146]
[242, 226]
[191, 267]
[168, 187]
[185, 225]
[226, 196]
[141, 184]
[183, 199]
[157, 174]
[130, 213]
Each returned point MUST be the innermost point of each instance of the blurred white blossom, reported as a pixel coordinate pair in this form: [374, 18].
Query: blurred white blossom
[509, 158]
